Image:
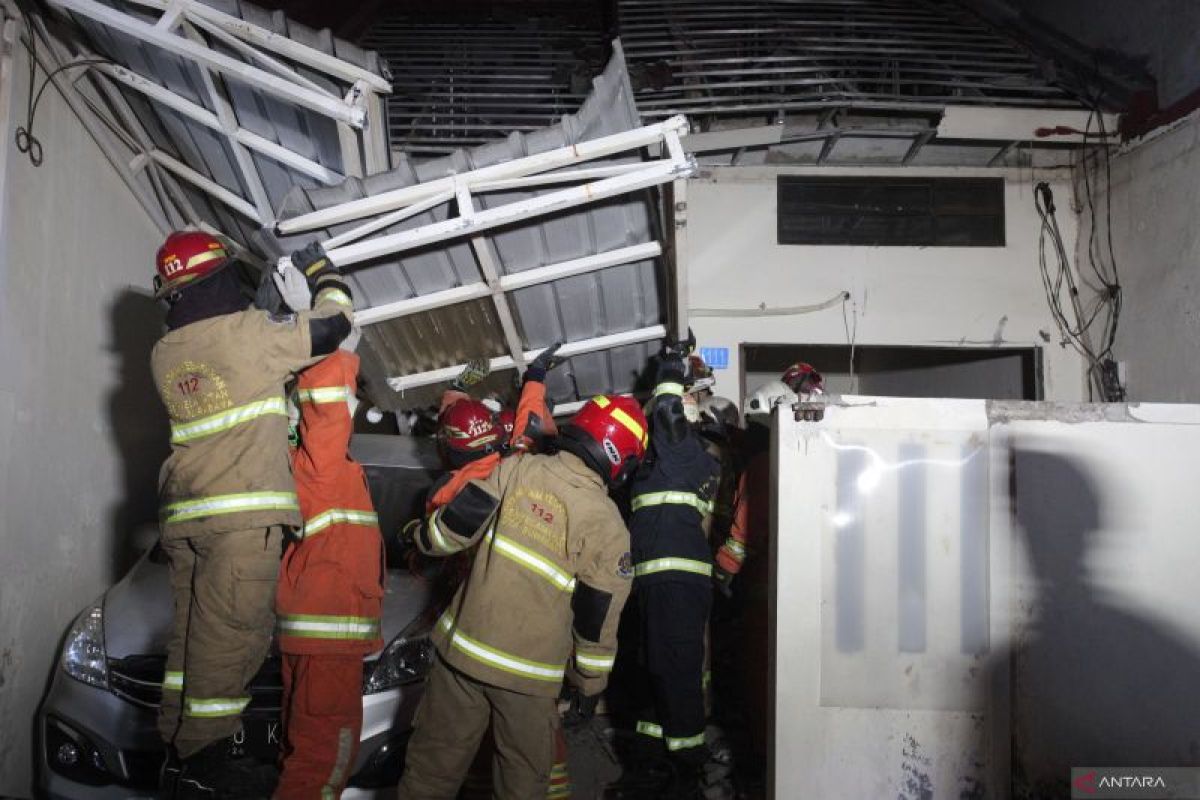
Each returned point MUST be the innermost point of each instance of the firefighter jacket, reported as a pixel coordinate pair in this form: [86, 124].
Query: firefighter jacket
[717, 524]
[330, 591]
[532, 415]
[750, 528]
[671, 495]
[548, 583]
[221, 380]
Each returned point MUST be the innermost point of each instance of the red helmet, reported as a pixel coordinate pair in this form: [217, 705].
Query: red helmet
[507, 420]
[468, 429]
[801, 378]
[187, 257]
[609, 433]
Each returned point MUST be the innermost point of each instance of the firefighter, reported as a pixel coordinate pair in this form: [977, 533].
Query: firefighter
[226, 489]
[670, 497]
[541, 604]
[472, 441]
[330, 593]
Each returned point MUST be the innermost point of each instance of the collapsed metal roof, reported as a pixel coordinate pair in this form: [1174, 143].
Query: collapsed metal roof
[228, 106]
[622, 299]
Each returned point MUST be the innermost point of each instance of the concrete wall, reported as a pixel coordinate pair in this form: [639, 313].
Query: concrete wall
[1157, 245]
[82, 433]
[936, 296]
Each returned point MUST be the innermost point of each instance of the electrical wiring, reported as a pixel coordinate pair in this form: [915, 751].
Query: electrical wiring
[27, 142]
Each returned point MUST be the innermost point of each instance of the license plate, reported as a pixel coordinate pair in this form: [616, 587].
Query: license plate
[260, 738]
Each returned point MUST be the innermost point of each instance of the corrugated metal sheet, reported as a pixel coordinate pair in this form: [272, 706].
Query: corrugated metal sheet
[302, 131]
[613, 300]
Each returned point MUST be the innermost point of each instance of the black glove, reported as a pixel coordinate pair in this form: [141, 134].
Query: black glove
[723, 582]
[671, 369]
[312, 261]
[679, 349]
[581, 709]
[545, 361]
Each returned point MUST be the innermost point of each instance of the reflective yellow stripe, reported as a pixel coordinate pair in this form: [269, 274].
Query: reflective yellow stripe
[531, 560]
[672, 565]
[338, 516]
[324, 394]
[669, 387]
[210, 707]
[204, 258]
[735, 548]
[601, 401]
[599, 663]
[190, 431]
[320, 626]
[498, 659]
[650, 729]
[229, 504]
[173, 681]
[336, 295]
[632, 424]
[674, 744]
[315, 267]
[672, 498]
[435, 533]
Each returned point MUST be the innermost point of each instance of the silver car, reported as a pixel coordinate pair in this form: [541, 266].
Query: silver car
[97, 730]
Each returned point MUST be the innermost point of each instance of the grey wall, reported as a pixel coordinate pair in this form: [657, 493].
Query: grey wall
[1157, 244]
[1165, 33]
[81, 430]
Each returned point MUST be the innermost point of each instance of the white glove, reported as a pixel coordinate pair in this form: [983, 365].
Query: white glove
[352, 339]
[293, 286]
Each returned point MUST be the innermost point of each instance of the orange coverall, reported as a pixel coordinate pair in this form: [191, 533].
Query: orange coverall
[330, 592]
[530, 407]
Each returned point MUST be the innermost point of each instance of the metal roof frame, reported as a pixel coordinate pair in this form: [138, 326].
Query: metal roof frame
[465, 221]
[213, 42]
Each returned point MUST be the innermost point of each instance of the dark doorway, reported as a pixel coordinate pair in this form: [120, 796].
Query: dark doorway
[891, 371]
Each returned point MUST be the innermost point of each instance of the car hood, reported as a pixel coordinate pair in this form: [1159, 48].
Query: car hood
[137, 611]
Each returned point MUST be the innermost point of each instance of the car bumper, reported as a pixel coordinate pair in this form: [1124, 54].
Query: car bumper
[127, 745]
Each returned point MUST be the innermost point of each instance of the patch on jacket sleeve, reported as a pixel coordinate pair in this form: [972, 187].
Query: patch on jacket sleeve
[469, 510]
[625, 566]
[590, 606]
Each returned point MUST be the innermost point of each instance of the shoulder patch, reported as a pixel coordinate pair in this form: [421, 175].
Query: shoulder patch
[625, 566]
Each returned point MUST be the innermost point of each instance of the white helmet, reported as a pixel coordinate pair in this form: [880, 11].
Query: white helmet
[766, 397]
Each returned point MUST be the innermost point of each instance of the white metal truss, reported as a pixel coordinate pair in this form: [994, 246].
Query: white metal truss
[181, 30]
[466, 221]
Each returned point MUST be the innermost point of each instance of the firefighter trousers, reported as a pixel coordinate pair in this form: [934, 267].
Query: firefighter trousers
[224, 596]
[322, 720]
[674, 621]
[454, 715]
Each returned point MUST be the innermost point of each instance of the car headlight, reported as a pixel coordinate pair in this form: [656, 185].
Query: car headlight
[406, 659]
[83, 656]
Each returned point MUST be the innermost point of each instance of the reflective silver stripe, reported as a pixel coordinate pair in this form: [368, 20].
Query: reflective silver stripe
[650, 729]
[672, 564]
[324, 394]
[229, 504]
[319, 626]
[674, 499]
[668, 387]
[682, 744]
[215, 706]
[435, 532]
[595, 662]
[216, 423]
[735, 547]
[498, 659]
[338, 516]
[527, 558]
[336, 295]
[173, 680]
